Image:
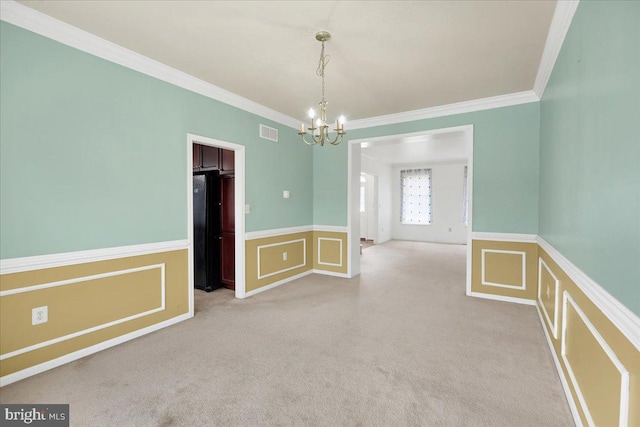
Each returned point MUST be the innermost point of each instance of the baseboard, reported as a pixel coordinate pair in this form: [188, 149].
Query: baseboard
[331, 273]
[278, 283]
[37, 369]
[502, 298]
[565, 385]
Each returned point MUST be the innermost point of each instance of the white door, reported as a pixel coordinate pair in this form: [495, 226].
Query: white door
[371, 197]
[364, 227]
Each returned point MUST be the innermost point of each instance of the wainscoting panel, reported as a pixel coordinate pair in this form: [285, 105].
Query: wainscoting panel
[265, 263]
[599, 379]
[595, 339]
[88, 304]
[599, 365]
[330, 252]
[549, 295]
[504, 269]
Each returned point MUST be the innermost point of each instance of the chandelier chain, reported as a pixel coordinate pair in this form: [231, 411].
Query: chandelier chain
[322, 63]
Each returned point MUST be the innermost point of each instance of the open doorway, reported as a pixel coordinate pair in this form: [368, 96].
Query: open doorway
[227, 181]
[213, 218]
[368, 209]
[441, 156]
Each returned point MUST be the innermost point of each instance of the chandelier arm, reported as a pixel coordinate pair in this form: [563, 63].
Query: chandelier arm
[337, 140]
[310, 143]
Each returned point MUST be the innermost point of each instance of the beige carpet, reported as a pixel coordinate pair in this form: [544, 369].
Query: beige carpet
[400, 345]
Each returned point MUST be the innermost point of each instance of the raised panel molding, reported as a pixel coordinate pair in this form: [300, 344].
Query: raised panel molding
[320, 239]
[97, 327]
[552, 325]
[623, 318]
[624, 373]
[304, 257]
[484, 282]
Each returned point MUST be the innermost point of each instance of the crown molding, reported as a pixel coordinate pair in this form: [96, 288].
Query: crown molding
[47, 26]
[448, 110]
[562, 17]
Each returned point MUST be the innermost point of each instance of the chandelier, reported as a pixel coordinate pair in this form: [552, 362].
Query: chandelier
[319, 129]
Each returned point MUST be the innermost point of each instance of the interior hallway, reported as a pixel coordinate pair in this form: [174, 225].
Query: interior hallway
[399, 345]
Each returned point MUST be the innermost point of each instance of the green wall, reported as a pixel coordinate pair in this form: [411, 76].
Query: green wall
[93, 154]
[505, 168]
[590, 148]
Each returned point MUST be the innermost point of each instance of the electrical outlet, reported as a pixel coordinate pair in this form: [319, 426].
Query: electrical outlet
[284, 256]
[40, 315]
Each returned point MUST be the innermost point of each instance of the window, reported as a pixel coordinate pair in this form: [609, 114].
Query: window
[415, 196]
[465, 199]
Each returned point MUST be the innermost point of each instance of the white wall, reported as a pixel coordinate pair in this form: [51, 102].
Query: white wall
[383, 173]
[446, 186]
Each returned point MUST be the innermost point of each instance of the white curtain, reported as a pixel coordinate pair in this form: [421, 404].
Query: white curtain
[415, 196]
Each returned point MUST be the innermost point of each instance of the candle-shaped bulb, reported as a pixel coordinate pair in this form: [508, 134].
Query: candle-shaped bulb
[301, 127]
[312, 113]
[341, 120]
[318, 122]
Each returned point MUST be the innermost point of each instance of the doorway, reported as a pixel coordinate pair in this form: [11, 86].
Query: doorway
[232, 227]
[368, 208]
[213, 218]
[355, 163]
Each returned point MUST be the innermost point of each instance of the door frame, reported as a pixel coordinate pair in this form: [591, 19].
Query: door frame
[353, 186]
[239, 194]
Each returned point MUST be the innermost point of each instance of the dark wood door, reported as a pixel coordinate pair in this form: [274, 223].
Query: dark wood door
[228, 228]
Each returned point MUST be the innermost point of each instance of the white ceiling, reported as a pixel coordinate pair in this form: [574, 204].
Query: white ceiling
[386, 56]
[436, 148]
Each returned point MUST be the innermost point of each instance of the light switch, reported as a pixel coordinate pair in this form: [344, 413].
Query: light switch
[284, 256]
[247, 209]
[285, 194]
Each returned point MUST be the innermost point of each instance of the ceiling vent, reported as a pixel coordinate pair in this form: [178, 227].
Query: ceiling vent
[268, 133]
